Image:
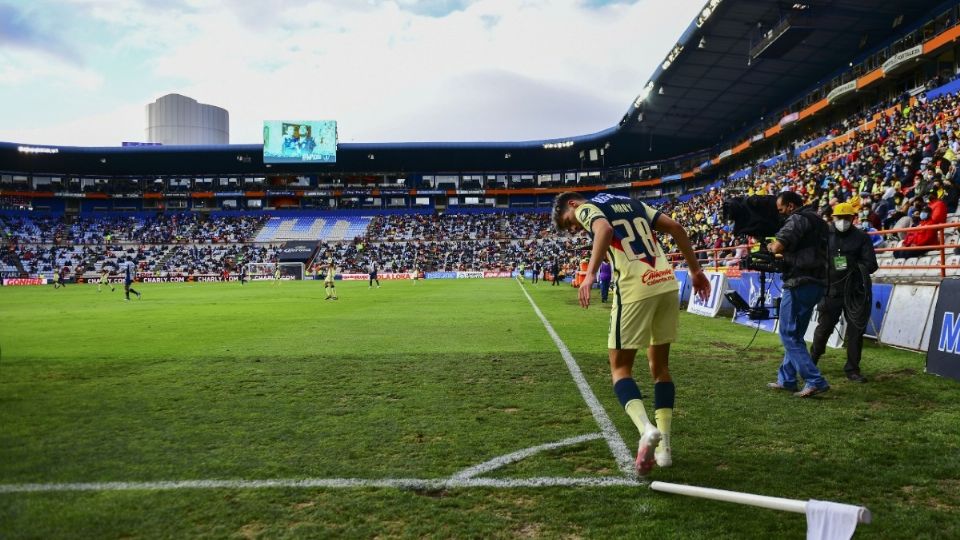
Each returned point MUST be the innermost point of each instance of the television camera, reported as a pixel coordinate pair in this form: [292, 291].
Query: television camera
[756, 216]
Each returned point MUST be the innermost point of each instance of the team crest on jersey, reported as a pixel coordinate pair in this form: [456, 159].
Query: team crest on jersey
[584, 212]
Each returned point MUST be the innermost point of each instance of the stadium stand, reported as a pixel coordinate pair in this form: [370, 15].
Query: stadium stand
[326, 228]
[887, 171]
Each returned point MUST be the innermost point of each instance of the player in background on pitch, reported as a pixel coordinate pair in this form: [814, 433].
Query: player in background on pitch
[328, 286]
[521, 268]
[276, 273]
[129, 272]
[104, 279]
[242, 275]
[373, 275]
[646, 304]
[60, 278]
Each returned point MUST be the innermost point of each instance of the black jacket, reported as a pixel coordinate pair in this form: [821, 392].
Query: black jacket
[804, 237]
[856, 246]
[952, 197]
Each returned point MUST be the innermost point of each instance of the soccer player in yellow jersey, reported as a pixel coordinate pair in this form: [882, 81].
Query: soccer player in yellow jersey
[104, 279]
[328, 286]
[646, 302]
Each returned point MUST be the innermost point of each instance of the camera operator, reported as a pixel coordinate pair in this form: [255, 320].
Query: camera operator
[850, 253]
[802, 240]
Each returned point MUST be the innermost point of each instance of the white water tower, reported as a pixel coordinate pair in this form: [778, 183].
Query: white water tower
[178, 120]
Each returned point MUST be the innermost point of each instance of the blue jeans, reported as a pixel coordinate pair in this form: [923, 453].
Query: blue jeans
[796, 308]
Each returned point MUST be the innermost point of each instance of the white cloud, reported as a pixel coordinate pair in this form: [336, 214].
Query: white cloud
[124, 123]
[27, 68]
[496, 69]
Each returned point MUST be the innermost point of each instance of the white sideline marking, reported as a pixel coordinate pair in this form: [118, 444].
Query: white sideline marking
[610, 433]
[399, 483]
[507, 459]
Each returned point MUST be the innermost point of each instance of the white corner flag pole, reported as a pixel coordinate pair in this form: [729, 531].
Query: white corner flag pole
[773, 503]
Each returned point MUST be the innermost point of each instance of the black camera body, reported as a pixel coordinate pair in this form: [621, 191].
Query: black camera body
[764, 261]
[756, 216]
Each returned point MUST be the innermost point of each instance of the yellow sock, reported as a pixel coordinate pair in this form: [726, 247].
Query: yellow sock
[664, 419]
[635, 411]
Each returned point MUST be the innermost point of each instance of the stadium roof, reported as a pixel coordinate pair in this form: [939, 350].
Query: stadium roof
[737, 61]
[742, 59]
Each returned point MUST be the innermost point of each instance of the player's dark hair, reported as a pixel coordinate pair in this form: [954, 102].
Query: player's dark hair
[560, 204]
[791, 197]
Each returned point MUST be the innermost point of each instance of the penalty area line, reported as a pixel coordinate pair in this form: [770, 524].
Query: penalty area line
[610, 433]
[329, 483]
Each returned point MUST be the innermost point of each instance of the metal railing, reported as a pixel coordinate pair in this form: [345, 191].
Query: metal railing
[715, 262]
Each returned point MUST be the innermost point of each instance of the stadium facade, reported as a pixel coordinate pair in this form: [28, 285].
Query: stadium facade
[746, 81]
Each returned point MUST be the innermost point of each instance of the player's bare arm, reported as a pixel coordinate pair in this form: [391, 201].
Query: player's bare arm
[602, 237]
[667, 225]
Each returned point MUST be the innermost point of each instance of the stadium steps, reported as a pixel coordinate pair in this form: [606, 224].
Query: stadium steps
[315, 229]
[285, 229]
[308, 228]
[338, 231]
[167, 255]
[280, 229]
[348, 229]
[18, 263]
[255, 237]
[301, 229]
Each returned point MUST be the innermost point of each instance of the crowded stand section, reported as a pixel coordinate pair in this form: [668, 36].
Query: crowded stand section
[895, 163]
[902, 173]
[183, 244]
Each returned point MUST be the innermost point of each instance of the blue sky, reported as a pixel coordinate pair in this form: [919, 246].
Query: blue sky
[80, 72]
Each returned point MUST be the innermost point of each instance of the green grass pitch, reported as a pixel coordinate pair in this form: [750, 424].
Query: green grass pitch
[262, 382]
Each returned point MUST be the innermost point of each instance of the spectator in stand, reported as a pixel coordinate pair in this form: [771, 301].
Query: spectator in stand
[951, 195]
[922, 237]
[740, 253]
[938, 209]
[867, 227]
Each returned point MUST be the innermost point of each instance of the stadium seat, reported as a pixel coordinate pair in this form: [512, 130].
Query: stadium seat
[926, 273]
[897, 271]
[953, 260]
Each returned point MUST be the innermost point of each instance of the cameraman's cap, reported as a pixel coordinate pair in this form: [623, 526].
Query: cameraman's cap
[844, 209]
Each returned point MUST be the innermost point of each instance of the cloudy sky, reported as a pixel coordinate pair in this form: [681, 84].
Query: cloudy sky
[80, 72]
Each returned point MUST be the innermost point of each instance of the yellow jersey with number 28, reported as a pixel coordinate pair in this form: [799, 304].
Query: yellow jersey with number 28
[640, 268]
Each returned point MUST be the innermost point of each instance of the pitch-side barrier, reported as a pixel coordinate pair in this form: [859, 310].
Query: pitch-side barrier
[906, 311]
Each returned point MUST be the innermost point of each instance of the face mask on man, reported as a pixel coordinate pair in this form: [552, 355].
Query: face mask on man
[924, 215]
[842, 225]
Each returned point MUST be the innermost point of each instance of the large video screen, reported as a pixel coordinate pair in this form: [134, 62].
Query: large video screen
[298, 141]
